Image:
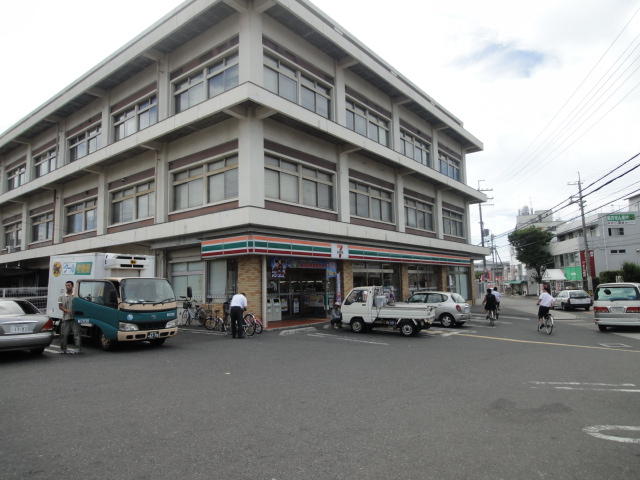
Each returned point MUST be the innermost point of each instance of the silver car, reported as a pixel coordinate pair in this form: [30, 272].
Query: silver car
[22, 327]
[572, 299]
[451, 308]
[617, 304]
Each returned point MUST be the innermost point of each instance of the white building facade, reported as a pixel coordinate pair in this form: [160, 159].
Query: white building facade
[250, 146]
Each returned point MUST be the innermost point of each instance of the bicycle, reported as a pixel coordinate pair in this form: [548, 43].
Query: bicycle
[215, 322]
[497, 311]
[192, 311]
[492, 317]
[547, 324]
[250, 319]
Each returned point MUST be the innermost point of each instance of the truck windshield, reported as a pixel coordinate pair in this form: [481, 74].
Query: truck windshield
[147, 290]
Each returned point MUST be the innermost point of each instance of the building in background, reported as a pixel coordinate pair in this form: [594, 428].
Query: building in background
[249, 146]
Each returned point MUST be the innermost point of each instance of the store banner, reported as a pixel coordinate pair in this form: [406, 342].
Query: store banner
[573, 274]
[339, 250]
[583, 263]
[621, 219]
[279, 266]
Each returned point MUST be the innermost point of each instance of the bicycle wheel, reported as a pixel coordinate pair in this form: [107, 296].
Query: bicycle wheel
[497, 313]
[186, 318]
[492, 317]
[258, 325]
[249, 327]
[210, 323]
[548, 324]
[202, 317]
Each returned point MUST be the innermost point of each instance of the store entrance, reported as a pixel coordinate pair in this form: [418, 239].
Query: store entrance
[302, 293]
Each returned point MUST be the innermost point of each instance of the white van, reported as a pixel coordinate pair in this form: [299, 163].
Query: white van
[617, 304]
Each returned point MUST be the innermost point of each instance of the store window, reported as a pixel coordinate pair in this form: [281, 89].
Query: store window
[188, 274]
[422, 277]
[386, 275]
[459, 281]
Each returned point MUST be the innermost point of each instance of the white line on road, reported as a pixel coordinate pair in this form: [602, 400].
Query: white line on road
[595, 389]
[293, 331]
[591, 384]
[346, 339]
[595, 430]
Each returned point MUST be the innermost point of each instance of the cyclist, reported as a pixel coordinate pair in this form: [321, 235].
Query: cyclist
[489, 302]
[545, 300]
[498, 296]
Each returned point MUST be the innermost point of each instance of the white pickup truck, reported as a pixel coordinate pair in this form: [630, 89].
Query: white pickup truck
[366, 307]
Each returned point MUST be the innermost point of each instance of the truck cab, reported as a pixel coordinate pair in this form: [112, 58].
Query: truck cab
[126, 310]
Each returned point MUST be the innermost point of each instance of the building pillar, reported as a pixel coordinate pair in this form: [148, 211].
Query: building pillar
[439, 224]
[105, 122]
[339, 96]
[263, 296]
[164, 87]
[162, 182]
[102, 204]
[473, 287]
[58, 215]
[463, 167]
[250, 281]
[161, 263]
[347, 277]
[404, 282]
[399, 203]
[395, 127]
[250, 51]
[62, 154]
[443, 280]
[467, 220]
[435, 161]
[30, 173]
[251, 161]
[26, 227]
[342, 184]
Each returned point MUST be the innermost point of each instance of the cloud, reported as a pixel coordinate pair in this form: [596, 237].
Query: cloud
[504, 58]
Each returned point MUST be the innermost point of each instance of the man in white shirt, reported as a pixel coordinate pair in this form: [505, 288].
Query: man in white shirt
[545, 300]
[237, 307]
[498, 296]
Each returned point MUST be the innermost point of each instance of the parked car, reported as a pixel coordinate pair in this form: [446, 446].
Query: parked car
[22, 327]
[617, 304]
[451, 308]
[571, 299]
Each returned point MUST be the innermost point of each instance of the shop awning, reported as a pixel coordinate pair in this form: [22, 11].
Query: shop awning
[553, 274]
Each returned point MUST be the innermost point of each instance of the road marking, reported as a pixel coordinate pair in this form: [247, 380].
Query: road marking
[293, 331]
[591, 384]
[595, 430]
[619, 345]
[546, 343]
[625, 390]
[345, 339]
[445, 333]
[201, 332]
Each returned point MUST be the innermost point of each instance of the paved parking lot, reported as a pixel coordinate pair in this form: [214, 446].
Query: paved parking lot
[473, 402]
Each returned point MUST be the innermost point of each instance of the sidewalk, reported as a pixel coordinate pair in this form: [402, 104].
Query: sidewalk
[527, 306]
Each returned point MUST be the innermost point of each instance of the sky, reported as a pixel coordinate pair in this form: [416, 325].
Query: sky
[551, 88]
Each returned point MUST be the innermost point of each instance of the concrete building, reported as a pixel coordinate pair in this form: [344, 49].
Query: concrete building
[250, 146]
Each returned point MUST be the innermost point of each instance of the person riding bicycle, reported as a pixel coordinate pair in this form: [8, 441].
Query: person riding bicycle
[489, 302]
[545, 301]
[498, 296]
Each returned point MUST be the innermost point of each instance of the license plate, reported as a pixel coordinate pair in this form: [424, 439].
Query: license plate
[20, 328]
[153, 335]
[616, 309]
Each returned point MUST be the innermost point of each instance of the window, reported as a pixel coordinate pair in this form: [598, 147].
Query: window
[101, 293]
[85, 143]
[449, 166]
[13, 236]
[291, 83]
[616, 232]
[16, 177]
[297, 183]
[133, 203]
[415, 148]
[418, 214]
[42, 227]
[422, 276]
[619, 251]
[137, 117]
[45, 162]
[188, 274]
[370, 202]
[453, 223]
[81, 216]
[206, 82]
[366, 122]
[211, 182]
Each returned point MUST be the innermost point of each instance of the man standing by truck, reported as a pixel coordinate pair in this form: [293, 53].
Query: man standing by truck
[68, 321]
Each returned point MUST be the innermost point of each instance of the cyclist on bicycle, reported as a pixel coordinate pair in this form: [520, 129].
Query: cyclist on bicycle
[498, 296]
[545, 301]
[489, 302]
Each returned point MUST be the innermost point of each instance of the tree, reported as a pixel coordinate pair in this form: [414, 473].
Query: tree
[531, 245]
[631, 272]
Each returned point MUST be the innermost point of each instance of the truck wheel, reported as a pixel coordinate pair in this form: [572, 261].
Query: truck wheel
[156, 342]
[105, 343]
[447, 320]
[407, 329]
[357, 325]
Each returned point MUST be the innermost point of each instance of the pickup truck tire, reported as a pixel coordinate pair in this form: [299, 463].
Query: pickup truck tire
[408, 328]
[357, 325]
[105, 343]
[447, 320]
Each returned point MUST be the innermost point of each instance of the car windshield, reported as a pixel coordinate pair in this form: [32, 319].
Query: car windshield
[614, 294]
[579, 294]
[17, 307]
[457, 298]
[147, 290]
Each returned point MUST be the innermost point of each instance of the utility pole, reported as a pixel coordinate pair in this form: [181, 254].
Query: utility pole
[484, 259]
[587, 257]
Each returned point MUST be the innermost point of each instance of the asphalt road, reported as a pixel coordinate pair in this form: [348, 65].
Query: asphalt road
[466, 403]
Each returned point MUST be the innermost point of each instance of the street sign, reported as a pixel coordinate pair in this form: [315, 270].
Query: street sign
[621, 219]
